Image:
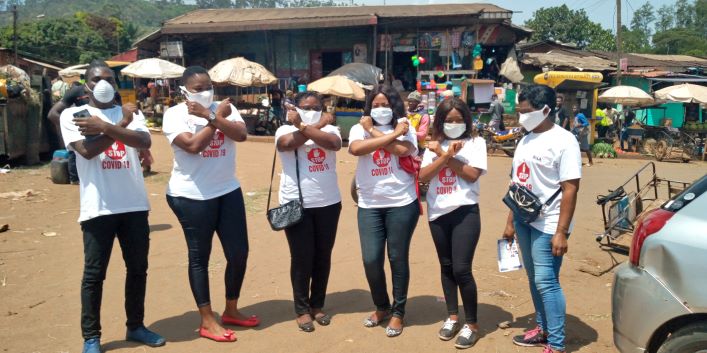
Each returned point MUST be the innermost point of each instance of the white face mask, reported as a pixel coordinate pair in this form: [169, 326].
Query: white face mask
[103, 92]
[454, 130]
[205, 98]
[309, 116]
[531, 120]
[382, 115]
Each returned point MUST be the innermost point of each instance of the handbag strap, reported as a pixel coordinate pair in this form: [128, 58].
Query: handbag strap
[552, 198]
[272, 176]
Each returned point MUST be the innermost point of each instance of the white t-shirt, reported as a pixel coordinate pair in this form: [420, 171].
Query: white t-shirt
[447, 190]
[541, 162]
[205, 175]
[317, 171]
[111, 183]
[380, 180]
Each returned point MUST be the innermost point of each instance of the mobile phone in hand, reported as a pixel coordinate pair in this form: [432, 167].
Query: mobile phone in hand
[82, 114]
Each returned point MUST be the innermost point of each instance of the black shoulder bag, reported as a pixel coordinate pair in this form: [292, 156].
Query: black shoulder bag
[290, 213]
[525, 205]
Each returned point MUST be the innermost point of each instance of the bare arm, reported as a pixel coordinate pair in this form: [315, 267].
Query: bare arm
[292, 141]
[364, 147]
[92, 147]
[396, 147]
[567, 206]
[428, 172]
[467, 172]
[195, 143]
[55, 114]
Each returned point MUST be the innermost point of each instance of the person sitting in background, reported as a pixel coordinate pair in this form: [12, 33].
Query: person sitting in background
[419, 119]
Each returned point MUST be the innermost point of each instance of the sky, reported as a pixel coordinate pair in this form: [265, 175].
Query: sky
[601, 11]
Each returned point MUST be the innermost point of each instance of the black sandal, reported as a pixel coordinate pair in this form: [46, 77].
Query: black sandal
[323, 319]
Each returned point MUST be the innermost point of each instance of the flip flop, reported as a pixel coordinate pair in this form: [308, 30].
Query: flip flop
[229, 336]
[252, 321]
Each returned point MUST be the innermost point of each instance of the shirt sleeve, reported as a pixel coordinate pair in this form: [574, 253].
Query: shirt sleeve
[138, 123]
[69, 130]
[173, 124]
[331, 129]
[475, 154]
[427, 158]
[570, 163]
[284, 130]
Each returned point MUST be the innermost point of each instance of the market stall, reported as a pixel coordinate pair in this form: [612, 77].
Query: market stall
[162, 71]
[20, 117]
[253, 106]
[688, 140]
[340, 86]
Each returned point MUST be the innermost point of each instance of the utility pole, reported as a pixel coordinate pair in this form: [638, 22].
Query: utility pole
[618, 42]
[14, 31]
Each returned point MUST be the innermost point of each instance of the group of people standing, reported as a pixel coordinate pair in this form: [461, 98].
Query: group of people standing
[206, 197]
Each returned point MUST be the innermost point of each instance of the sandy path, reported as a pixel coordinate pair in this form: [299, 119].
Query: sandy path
[40, 275]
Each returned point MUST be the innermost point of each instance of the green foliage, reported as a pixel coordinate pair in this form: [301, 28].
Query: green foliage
[680, 41]
[562, 24]
[245, 4]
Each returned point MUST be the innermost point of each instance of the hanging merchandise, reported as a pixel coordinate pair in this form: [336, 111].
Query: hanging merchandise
[478, 63]
[468, 40]
[415, 60]
[425, 40]
[431, 103]
[456, 61]
[456, 40]
[421, 60]
[440, 73]
[477, 50]
[385, 42]
[437, 41]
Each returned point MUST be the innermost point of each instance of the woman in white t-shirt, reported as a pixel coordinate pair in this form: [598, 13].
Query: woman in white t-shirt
[310, 145]
[452, 164]
[388, 207]
[206, 197]
[547, 162]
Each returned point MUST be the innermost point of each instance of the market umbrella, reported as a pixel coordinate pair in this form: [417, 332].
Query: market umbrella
[684, 93]
[153, 68]
[365, 74]
[339, 86]
[241, 72]
[76, 70]
[626, 95]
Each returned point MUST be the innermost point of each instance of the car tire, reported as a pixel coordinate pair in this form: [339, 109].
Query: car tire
[689, 339]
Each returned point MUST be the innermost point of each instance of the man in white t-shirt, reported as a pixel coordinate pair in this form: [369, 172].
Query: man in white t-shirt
[547, 162]
[106, 139]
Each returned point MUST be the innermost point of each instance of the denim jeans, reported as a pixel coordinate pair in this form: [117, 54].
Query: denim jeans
[311, 242]
[543, 271]
[455, 235]
[133, 233]
[224, 215]
[392, 226]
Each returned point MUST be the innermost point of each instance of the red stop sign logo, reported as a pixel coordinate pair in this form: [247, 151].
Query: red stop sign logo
[116, 151]
[447, 176]
[381, 158]
[523, 172]
[217, 140]
[316, 155]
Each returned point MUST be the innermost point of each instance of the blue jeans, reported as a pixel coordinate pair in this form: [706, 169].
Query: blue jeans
[394, 226]
[543, 271]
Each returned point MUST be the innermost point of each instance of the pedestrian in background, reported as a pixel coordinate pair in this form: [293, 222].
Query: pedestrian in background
[581, 130]
[419, 119]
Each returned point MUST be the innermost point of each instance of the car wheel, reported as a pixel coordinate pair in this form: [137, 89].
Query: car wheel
[689, 339]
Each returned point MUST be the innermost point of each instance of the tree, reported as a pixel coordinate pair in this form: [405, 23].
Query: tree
[562, 24]
[641, 26]
[665, 18]
[684, 14]
[680, 41]
[214, 4]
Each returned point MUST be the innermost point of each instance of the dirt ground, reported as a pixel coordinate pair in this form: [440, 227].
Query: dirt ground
[41, 263]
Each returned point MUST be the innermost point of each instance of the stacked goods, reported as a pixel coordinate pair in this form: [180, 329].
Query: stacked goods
[603, 150]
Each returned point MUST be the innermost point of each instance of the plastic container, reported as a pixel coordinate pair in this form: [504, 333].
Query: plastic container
[59, 167]
[302, 88]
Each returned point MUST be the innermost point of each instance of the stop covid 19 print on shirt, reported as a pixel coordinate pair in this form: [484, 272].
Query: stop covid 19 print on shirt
[115, 157]
[382, 159]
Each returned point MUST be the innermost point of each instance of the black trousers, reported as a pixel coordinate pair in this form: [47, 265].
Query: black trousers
[311, 243]
[455, 235]
[133, 233]
[224, 215]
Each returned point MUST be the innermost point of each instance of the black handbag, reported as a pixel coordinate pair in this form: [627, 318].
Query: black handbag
[290, 213]
[525, 205]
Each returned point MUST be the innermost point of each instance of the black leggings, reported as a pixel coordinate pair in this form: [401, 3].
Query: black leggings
[455, 235]
[199, 219]
[311, 243]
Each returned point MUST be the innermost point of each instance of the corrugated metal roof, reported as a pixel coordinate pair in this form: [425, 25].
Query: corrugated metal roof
[223, 20]
[561, 60]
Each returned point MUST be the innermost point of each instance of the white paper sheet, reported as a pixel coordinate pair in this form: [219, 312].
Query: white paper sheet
[508, 256]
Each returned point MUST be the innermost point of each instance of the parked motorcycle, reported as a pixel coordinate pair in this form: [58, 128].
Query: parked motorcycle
[505, 141]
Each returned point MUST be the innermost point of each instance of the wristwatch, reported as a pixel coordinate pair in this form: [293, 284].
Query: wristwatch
[212, 116]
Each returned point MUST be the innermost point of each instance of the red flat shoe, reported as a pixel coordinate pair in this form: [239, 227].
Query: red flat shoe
[252, 321]
[229, 336]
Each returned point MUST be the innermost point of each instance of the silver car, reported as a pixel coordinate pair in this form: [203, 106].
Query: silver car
[659, 299]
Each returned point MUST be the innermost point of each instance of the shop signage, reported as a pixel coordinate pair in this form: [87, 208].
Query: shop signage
[172, 49]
